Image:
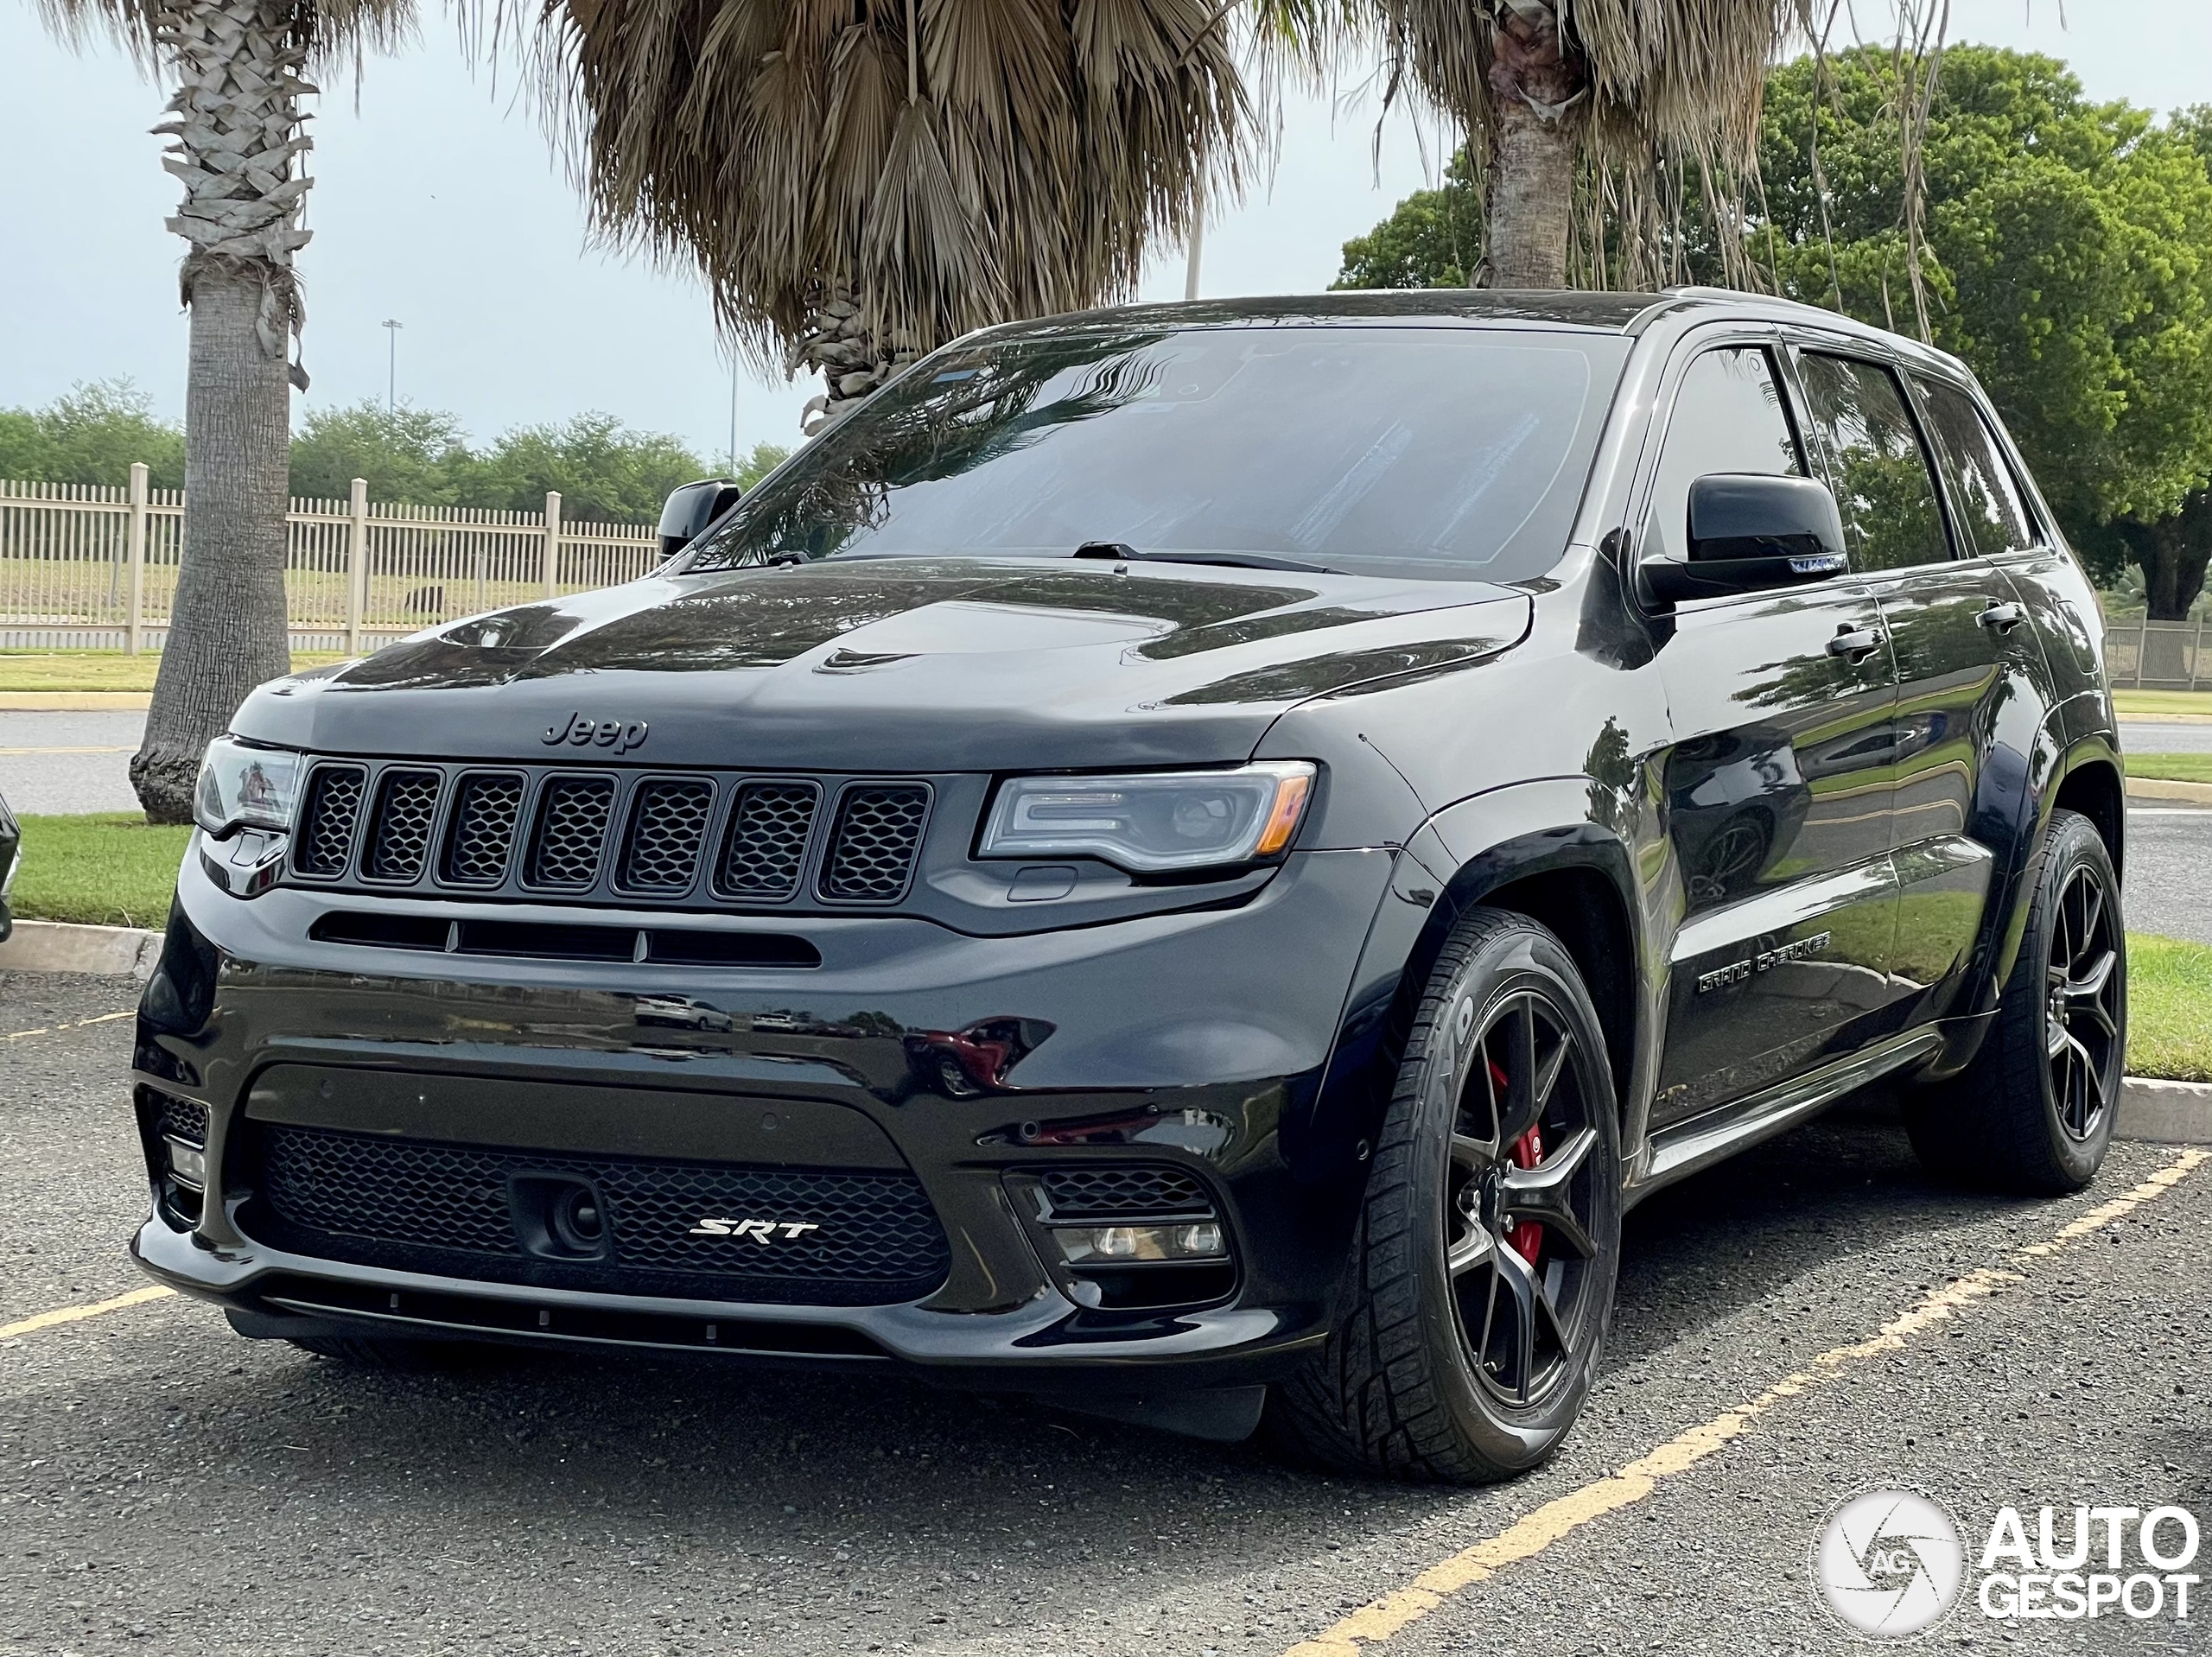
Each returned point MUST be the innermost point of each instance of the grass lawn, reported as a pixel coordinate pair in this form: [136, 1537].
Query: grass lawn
[2169, 1008]
[102, 670]
[2171, 767]
[2156, 704]
[110, 868]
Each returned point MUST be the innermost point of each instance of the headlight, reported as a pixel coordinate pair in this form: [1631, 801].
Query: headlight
[245, 786]
[1152, 822]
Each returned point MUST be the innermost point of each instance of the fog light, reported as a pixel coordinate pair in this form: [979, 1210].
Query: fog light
[1098, 1245]
[188, 1164]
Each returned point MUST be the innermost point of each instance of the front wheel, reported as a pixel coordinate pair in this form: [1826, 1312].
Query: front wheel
[1480, 1285]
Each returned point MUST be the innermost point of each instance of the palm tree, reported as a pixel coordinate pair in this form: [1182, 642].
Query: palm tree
[859, 180]
[235, 142]
[1620, 88]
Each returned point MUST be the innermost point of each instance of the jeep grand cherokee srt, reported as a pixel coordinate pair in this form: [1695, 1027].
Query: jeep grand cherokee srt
[1189, 859]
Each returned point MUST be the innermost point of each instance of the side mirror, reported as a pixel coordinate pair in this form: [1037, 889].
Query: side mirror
[690, 509]
[1750, 532]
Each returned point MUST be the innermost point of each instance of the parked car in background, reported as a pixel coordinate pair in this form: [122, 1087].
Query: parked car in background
[1191, 860]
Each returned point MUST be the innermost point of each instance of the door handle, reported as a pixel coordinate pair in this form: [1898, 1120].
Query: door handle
[2003, 617]
[1854, 644]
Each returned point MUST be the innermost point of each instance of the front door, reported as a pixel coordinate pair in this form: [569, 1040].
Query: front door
[1777, 783]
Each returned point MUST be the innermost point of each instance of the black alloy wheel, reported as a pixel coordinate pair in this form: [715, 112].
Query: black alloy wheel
[2034, 1110]
[2084, 976]
[1519, 1204]
[1478, 1289]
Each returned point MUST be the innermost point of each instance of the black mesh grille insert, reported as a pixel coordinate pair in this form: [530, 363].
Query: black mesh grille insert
[180, 1119]
[400, 834]
[863, 1237]
[1078, 1193]
[872, 849]
[571, 830]
[668, 832]
[482, 833]
[766, 847]
[327, 826]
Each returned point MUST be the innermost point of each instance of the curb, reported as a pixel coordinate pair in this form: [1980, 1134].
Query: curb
[2152, 788]
[57, 946]
[2165, 1113]
[73, 701]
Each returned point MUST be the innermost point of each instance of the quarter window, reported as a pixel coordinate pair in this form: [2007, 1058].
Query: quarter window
[1991, 516]
[1880, 475]
[1729, 416]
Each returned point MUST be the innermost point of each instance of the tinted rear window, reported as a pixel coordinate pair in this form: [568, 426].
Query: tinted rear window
[1446, 452]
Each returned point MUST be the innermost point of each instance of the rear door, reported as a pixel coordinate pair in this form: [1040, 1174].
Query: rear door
[1964, 656]
[1777, 783]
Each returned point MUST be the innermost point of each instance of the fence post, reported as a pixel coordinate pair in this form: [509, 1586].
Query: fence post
[135, 618]
[552, 540]
[2142, 643]
[2195, 652]
[357, 562]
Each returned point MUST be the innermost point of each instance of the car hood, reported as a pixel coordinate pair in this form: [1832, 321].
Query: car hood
[905, 664]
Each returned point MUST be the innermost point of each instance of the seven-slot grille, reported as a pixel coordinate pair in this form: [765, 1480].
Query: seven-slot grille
[701, 840]
[875, 1238]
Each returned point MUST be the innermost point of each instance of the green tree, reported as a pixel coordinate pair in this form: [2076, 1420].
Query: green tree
[415, 455]
[765, 459]
[603, 470]
[1433, 239]
[92, 435]
[2067, 257]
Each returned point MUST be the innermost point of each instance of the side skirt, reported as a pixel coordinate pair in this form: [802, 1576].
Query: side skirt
[1686, 1148]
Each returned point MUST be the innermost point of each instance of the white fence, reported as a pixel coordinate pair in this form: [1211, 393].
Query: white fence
[2157, 655]
[93, 566]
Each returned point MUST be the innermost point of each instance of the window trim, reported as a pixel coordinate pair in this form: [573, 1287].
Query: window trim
[2039, 537]
[1731, 335]
[1901, 375]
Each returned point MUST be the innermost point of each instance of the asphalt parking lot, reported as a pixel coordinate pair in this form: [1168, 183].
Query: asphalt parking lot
[166, 1486]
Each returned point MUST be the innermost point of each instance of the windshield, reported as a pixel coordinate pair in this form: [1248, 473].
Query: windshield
[1444, 452]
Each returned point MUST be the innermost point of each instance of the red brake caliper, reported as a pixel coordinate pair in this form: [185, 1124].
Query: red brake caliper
[1526, 1236]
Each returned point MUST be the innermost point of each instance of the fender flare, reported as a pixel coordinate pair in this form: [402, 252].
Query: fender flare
[1458, 857]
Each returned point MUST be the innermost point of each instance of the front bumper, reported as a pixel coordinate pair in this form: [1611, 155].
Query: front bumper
[1187, 1040]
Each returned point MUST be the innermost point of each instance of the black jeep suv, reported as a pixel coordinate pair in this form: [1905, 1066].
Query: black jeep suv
[1190, 860]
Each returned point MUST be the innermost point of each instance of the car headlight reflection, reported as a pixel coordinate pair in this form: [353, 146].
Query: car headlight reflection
[243, 786]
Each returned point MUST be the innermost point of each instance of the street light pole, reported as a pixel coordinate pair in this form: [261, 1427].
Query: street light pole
[391, 364]
[1198, 245]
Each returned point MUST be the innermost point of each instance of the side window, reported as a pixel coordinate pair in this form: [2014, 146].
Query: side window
[1890, 520]
[1729, 416]
[1991, 516]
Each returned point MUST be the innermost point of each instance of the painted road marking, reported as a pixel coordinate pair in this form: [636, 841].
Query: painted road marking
[5, 752]
[1376, 1621]
[74, 1024]
[78, 1314]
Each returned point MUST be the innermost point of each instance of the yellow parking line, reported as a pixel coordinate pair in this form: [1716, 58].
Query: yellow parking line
[1379, 1619]
[78, 1314]
[51, 1029]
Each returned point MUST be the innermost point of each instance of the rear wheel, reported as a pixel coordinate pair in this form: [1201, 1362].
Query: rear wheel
[2034, 1111]
[1480, 1284]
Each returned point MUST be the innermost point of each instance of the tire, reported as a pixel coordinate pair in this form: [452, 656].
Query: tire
[1398, 1390]
[2033, 1112]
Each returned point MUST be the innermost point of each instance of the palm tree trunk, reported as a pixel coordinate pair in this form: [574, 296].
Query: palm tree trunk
[1531, 198]
[236, 144]
[1537, 80]
[227, 624]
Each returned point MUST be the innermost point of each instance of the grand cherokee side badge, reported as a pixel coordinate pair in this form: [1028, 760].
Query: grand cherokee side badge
[580, 730]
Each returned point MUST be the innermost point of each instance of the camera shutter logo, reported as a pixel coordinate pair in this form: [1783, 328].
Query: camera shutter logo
[1889, 1564]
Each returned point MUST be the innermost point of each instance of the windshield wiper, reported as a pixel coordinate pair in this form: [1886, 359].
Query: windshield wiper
[1121, 551]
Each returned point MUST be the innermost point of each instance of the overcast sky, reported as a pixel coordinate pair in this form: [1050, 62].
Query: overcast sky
[438, 203]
